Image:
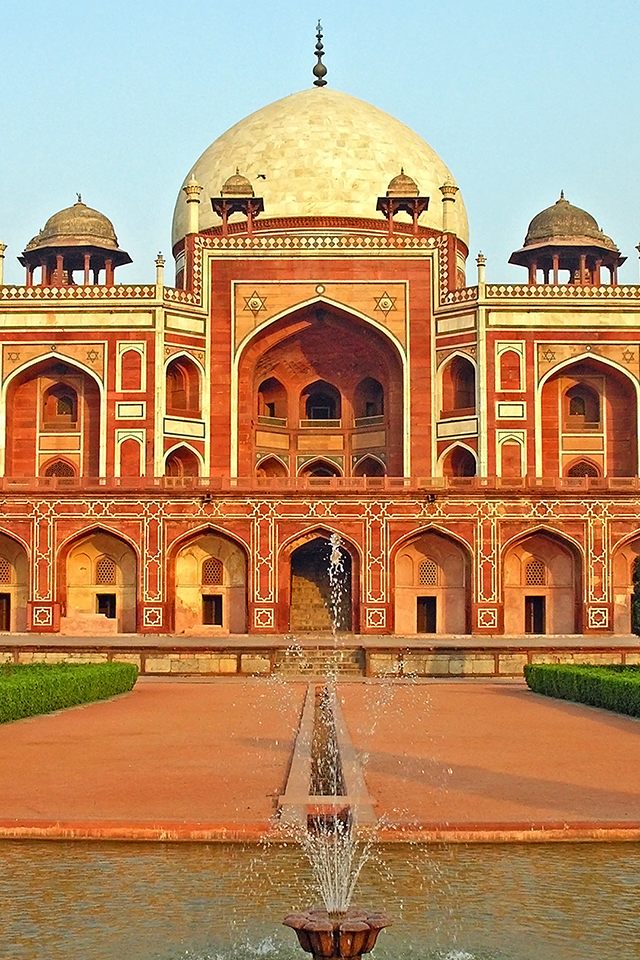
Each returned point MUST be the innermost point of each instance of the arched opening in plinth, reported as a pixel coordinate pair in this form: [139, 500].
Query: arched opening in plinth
[99, 586]
[14, 585]
[210, 585]
[542, 578]
[321, 596]
[432, 585]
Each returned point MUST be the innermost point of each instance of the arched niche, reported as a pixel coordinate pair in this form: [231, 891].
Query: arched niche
[432, 586]
[458, 387]
[369, 467]
[14, 585]
[272, 400]
[182, 462]
[589, 402]
[58, 467]
[459, 462]
[320, 603]
[583, 468]
[541, 585]
[510, 377]
[131, 370]
[368, 399]
[183, 388]
[271, 467]
[320, 401]
[130, 457]
[510, 458]
[623, 566]
[99, 574]
[52, 398]
[320, 468]
[210, 576]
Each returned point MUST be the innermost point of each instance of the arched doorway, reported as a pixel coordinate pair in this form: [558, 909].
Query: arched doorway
[459, 462]
[624, 562]
[14, 585]
[100, 586]
[541, 586]
[320, 468]
[210, 586]
[432, 586]
[182, 462]
[316, 605]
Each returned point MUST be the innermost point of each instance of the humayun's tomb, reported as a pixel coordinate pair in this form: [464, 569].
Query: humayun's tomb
[175, 458]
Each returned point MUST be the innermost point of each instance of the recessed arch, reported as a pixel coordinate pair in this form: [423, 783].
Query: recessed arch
[458, 460]
[183, 386]
[271, 466]
[457, 377]
[320, 467]
[320, 400]
[14, 583]
[541, 605]
[202, 606]
[89, 606]
[182, 461]
[583, 467]
[564, 366]
[58, 467]
[432, 583]
[290, 333]
[370, 466]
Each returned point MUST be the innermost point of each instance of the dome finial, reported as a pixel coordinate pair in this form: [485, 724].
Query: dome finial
[319, 71]
[562, 196]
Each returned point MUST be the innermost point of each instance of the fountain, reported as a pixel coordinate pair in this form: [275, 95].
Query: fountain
[333, 818]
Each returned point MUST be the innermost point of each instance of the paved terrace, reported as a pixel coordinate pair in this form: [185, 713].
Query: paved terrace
[207, 759]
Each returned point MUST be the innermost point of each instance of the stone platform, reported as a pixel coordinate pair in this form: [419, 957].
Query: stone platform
[350, 656]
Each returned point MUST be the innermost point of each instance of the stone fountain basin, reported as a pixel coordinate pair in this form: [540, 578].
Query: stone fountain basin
[346, 936]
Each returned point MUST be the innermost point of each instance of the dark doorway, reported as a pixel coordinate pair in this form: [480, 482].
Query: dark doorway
[314, 605]
[212, 609]
[5, 611]
[427, 607]
[107, 605]
[535, 615]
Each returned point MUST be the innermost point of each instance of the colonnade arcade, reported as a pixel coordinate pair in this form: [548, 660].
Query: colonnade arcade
[250, 565]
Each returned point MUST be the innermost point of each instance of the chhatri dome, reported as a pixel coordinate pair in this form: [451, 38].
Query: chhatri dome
[320, 153]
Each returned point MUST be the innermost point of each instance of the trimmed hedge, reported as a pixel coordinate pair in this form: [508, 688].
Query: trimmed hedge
[27, 690]
[614, 687]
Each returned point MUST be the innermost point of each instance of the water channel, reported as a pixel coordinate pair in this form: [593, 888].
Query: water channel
[82, 901]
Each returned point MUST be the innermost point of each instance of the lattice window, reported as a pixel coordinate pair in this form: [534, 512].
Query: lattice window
[536, 574]
[105, 570]
[5, 571]
[428, 573]
[583, 469]
[212, 572]
[59, 468]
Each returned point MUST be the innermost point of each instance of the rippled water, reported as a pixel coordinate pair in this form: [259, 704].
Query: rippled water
[63, 901]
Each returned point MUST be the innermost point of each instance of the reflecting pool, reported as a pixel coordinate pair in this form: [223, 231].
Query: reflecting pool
[82, 901]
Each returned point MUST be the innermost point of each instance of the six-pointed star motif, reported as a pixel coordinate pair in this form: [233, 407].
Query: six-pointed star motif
[385, 303]
[255, 303]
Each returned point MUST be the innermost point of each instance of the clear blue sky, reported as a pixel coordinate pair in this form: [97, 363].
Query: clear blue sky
[118, 100]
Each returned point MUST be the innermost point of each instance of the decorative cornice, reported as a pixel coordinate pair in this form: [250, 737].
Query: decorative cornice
[547, 291]
[117, 292]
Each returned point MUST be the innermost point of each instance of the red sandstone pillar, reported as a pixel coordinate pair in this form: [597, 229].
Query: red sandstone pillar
[57, 277]
[87, 268]
[556, 267]
[108, 267]
[29, 275]
[583, 269]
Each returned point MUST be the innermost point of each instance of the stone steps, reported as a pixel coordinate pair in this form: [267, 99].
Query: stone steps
[318, 662]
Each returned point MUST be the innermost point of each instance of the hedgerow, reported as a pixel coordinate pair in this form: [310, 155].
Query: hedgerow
[27, 690]
[615, 687]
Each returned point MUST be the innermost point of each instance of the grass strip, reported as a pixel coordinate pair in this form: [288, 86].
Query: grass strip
[615, 687]
[27, 690]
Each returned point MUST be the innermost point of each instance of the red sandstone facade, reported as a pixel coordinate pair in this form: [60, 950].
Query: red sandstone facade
[176, 458]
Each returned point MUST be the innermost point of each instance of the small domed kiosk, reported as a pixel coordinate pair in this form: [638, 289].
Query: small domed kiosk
[564, 237]
[76, 238]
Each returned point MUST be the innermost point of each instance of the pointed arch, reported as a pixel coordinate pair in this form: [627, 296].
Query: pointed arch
[320, 467]
[58, 467]
[387, 352]
[458, 458]
[312, 546]
[183, 461]
[272, 466]
[201, 605]
[457, 379]
[183, 386]
[369, 466]
[14, 583]
[90, 606]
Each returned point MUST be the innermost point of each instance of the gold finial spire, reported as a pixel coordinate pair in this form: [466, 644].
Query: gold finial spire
[319, 71]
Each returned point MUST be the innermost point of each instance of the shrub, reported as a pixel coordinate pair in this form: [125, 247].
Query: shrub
[27, 690]
[615, 687]
[635, 599]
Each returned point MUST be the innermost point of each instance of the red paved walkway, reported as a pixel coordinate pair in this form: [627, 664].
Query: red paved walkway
[216, 753]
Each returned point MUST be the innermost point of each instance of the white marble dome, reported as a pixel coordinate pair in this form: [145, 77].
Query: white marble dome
[321, 153]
